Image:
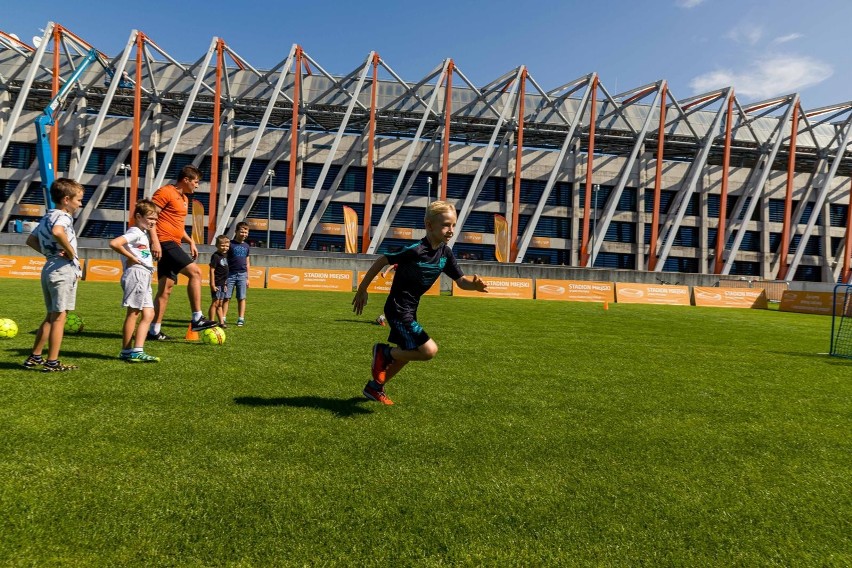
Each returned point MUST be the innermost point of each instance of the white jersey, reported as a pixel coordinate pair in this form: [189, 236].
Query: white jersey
[139, 246]
[47, 242]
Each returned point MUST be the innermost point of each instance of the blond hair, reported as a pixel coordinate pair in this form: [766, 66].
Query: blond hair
[437, 208]
[144, 207]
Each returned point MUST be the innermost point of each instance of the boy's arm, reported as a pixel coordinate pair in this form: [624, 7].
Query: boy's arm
[248, 269]
[32, 242]
[472, 283]
[62, 238]
[360, 299]
[211, 278]
[118, 245]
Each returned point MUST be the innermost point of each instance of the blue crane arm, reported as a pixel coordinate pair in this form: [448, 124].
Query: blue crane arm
[44, 153]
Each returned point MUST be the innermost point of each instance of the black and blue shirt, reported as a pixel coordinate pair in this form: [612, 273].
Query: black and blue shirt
[237, 257]
[419, 266]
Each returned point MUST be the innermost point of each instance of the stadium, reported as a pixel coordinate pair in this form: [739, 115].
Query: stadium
[648, 185]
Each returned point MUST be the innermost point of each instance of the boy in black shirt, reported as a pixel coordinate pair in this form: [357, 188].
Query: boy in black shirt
[219, 280]
[419, 266]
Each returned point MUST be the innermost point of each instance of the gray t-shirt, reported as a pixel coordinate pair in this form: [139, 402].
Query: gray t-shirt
[46, 241]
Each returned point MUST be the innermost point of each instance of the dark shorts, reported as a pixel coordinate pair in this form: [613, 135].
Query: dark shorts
[408, 335]
[173, 260]
[220, 293]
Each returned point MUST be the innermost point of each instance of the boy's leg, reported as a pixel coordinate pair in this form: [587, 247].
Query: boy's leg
[129, 327]
[144, 326]
[57, 331]
[241, 308]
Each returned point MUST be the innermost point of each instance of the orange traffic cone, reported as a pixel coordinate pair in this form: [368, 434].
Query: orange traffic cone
[606, 305]
[191, 335]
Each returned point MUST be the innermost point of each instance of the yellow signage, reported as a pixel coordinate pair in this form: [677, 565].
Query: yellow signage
[574, 290]
[629, 293]
[514, 288]
[317, 279]
[730, 297]
[21, 266]
[818, 303]
[100, 270]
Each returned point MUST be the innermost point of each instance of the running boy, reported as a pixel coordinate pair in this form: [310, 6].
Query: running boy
[238, 267]
[138, 263]
[55, 238]
[219, 280]
[418, 267]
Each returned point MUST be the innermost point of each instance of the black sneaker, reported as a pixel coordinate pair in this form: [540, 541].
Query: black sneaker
[158, 337]
[203, 323]
[32, 362]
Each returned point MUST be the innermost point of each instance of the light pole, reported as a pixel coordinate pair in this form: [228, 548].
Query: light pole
[595, 189]
[125, 168]
[429, 184]
[270, 174]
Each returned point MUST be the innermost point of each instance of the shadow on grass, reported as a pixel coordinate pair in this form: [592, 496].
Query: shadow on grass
[65, 353]
[340, 407]
[351, 320]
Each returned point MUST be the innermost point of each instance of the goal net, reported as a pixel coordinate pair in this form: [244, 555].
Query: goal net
[841, 322]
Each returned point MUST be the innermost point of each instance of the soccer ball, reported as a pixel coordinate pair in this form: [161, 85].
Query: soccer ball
[73, 323]
[8, 329]
[213, 336]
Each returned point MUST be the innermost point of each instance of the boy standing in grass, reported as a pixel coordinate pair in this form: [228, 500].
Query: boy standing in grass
[219, 280]
[55, 238]
[418, 267]
[138, 262]
[238, 267]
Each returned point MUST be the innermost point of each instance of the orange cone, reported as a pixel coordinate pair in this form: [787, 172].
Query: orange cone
[606, 305]
[191, 335]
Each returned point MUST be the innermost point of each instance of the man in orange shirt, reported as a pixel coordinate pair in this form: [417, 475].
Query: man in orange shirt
[173, 205]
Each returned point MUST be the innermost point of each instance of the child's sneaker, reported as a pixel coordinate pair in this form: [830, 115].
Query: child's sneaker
[142, 357]
[158, 336]
[376, 394]
[381, 320]
[381, 360]
[33, 361]
[241, 322]
[57, 367]
[124, 355]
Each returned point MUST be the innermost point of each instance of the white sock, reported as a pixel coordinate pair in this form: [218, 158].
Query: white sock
[155, 328]
[136, 350]
[197, 316]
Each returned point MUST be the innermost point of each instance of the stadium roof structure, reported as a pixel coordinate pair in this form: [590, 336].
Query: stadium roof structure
[145, 83]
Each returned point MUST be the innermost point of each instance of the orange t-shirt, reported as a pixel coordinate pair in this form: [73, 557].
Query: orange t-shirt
[174, 206]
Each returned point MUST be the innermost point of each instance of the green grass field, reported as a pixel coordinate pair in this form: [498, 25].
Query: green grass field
[543, 433]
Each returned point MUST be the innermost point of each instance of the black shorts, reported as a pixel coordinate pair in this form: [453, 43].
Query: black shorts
[408, 335]
[173, 260]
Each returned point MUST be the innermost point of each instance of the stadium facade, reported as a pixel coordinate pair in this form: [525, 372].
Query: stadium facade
[661, 178]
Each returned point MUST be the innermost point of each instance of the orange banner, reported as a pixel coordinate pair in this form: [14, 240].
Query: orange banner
[30, 209]
[100, 270]
[318, 279]
[818, 303]
[382, 284]
[197, 222]
[401, 233]
[515, 288]
[257, 277]
[330, 229]
[730, 297]
[501, 238]
[473, 238]
[21, 266]
[574, 290]
[256, 224]
[540, 242]
[629, 293]
[350, 229]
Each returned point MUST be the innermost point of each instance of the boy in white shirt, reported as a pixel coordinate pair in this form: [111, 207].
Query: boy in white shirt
[138, 262]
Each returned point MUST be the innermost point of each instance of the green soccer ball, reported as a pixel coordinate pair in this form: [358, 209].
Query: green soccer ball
[213, 336]
[8, 328]
[73, 323]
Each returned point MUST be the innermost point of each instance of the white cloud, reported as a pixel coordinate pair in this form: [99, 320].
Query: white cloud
[766, 77]
[787, 38]
[688, 3]
[745, 33]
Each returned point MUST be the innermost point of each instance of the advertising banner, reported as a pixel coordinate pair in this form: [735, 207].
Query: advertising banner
[514, 288]
[501, 238]
[197, 222]
[256, 224]
[574, 290]
[21, 266]
[730, 297]
[473, 238]
[350, 229]
[317, 279]
[629, 293]
[403, 233]
[101, 270]
[330, 228]
[257, 277]
[818, 303]
[382, 284]
[29, 209]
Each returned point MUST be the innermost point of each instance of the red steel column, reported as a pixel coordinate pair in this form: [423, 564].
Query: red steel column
[371, 143]
[448, 108]
[788, 198]
[137, 129]
[294, 148]
[54, 89]
[658, 184]
[519, 153]
[587, 203]
[723, 200]
[214, 154]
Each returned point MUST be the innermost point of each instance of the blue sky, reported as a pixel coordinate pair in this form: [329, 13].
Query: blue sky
[763, 48]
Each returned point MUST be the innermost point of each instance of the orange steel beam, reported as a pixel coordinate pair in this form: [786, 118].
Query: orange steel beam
[658, 183]
[519, 153]
[788, 197]
[54, 89]
[137, 124]
[587, 203]
[214, 154]
[448, 107]
[638, 96]
[700, 101]
[848, 248]
[18, 41]
[294, 148]
[371, 143]
[723, 200]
